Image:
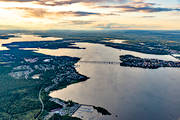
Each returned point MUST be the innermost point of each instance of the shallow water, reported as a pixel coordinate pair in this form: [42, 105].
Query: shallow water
[118, 41]
[98, 52]
[23, 38]
[128, 93]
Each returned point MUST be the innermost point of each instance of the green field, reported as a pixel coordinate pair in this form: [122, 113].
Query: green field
[19, 92]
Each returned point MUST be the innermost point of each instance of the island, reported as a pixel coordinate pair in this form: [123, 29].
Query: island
[132, 61]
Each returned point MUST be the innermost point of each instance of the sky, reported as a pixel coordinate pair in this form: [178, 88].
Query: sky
[90, 14]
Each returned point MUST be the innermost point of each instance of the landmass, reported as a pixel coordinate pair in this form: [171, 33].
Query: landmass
[102, 110]
[27, 77]
[149, 42]
[132, 61]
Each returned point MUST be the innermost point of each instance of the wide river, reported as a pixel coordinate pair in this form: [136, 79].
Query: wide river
[128, 93]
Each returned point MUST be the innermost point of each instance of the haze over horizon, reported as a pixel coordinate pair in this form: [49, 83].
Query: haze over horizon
[90, 14]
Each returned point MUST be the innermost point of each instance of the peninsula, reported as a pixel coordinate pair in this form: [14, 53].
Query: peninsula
[132, 61]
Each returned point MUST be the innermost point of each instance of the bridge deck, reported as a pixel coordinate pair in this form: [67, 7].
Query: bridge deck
[101, 62]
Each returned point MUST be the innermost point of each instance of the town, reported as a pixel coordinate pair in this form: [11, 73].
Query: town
[37, 74]
[132, 61]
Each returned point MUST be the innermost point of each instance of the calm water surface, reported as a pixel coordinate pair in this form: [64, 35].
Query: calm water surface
[128, 93]
[23, 38]
[118, 41]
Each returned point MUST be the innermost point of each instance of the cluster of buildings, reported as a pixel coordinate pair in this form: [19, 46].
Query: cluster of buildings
[21, 72]
[30, 65]
[132, 61]
[65, 110]
[63, 71]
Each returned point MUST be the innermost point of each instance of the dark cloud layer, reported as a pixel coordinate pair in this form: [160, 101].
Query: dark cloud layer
[141, 7]
[17, 0]
[62, 2]
[131, 6]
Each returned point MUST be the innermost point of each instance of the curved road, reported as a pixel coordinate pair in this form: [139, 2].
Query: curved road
[42, 109]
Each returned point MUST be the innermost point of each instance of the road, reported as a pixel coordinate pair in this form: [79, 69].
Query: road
[42, 108]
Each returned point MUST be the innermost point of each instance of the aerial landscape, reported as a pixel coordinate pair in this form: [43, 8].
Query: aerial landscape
[89, 60]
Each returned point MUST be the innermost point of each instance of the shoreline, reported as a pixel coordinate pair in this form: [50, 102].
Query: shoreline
[56, 86]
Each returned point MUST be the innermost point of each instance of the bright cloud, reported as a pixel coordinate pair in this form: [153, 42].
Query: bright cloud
[89, 14]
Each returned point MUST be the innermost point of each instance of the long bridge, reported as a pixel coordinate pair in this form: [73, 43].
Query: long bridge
[101, 62]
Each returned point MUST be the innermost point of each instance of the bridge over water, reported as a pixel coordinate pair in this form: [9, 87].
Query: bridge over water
[101, 62]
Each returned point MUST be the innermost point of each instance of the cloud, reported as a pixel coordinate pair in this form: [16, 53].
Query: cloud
[80, 13]
[140, 7]
[17, 0]
[146, 9]
[148, 16]
[42, 13]
[76, 22]
[64, 2]
[81, 22]
[123, 26]
[123, 5]
[67, 2]
[4, 27]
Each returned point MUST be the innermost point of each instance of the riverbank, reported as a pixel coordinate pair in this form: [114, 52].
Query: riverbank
[132, 61]
[124, 91]
[24, 96]
[129, 87]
